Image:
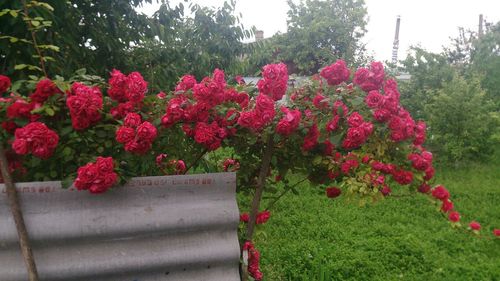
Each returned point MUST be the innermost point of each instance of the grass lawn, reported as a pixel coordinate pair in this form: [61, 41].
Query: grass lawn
[311, 237]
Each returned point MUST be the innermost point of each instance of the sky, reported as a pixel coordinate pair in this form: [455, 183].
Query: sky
[427, 23]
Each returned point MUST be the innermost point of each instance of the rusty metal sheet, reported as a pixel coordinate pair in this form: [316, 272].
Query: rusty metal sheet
[153, 228]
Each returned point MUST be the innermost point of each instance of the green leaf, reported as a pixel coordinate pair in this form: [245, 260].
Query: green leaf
[67, 182]
[50, 111]
[13, 13]
[35, 23]
[34, 67]
[20, 66]
[67, 151]
[46, 6]
[35, 162]
[101, 134]
[4, 11]
[49, 47]
[81, 71]
[13, 39]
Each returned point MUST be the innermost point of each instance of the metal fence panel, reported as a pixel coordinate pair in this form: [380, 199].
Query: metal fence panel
[153, 228]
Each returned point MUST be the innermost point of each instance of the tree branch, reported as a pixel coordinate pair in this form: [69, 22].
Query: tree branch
[15, 208]
[264, 169]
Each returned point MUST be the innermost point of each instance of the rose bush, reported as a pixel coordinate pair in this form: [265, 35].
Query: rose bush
[348, 138]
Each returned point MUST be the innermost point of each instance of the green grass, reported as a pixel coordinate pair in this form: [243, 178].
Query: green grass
[311, 237]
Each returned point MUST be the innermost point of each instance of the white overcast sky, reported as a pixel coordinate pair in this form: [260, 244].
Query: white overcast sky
[429, 23]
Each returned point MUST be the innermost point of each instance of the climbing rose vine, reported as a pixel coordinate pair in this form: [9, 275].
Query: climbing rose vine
[343, 130]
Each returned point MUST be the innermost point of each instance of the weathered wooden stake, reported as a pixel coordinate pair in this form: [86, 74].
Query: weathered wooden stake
[15, 208]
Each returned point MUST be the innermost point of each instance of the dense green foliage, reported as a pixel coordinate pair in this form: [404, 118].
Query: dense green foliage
[460, 117]
[457, 91]
[311, 237]
[111, 34]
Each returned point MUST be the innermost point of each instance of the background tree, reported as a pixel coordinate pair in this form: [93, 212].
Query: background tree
[457, 92]
[95, 34]
[460, 119]
[104, 35]
[319, 32]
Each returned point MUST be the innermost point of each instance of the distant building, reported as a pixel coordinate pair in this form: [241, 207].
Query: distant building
[259, 35]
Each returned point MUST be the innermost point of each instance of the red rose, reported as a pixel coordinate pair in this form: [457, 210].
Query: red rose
[85, 104]
[187, 82]
[263, 217]
[370, 79]
[105, 164]
[440, 192]
[118, 84]
[386, 190]
[355, 120]
[336, 73]
[311, 139]
[96, 177]
[264, 103]
[44, 89]
[355, 137]
[339, 108]
[447, 206]
[365, 159]
[132, 120]
[382, 115]
[429, 173]
[159, 159]
[378, 180]
[122, 109]
[349, 165]
[136, 87]
[274, 82]
[367, 127]
[36, 138]
[231, 165]
[290, 121]
[179, 166]
[419, 162]
[9, 126]
[21, 109]
[86, 176]
[333, 124]
[247, 119]
[206, 134]
[454, 216]
[320, 101]
[474, 225]
[374, 99]
[496, 232]
[253, 261]
[161, 95]
[402, 177]
[21, 146]
[424, 188]
[125, 134]
[333, 192]
[4, 83]
[244, 217]
[146, 131]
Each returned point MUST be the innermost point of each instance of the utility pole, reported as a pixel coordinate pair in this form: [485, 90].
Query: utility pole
[395, 45]
[480, 33]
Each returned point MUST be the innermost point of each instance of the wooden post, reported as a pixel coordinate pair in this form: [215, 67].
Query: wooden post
[15, 208]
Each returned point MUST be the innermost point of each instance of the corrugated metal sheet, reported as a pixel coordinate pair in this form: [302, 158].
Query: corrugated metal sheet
[154, 228]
